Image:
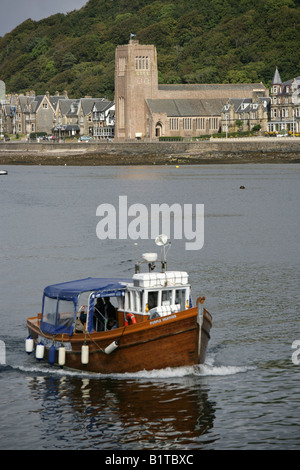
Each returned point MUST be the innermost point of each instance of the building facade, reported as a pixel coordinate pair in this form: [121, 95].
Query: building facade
[246, 114]
[285, 105]
[147, 110]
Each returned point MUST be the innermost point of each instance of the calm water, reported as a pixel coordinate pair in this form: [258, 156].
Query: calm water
[247, 394]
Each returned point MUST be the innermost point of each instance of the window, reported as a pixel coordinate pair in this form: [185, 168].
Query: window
[142, 63]
[213, 123]
[121, 112]
[136, 301]
[152, 299]
[200, 123]
[174, 124]
[45, 106]
[180, 298]
[166, 297]
[187, 124]
[65, 313]
[49, 310]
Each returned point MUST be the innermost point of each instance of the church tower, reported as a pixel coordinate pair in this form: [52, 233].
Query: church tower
[136, 80]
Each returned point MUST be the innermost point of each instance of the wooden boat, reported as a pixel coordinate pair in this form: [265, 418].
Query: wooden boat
[155, 324]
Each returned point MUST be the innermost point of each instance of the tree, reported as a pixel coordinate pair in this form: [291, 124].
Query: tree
[68, 61]
[239, 124]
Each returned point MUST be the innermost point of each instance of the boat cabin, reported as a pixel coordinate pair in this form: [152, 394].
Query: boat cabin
[157, 294]
[145, 296]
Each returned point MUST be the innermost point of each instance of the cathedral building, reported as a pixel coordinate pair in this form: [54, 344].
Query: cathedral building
[146, 110]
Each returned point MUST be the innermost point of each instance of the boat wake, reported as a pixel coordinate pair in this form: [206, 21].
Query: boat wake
[202, 370]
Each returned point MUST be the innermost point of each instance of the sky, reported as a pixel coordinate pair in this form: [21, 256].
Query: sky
[14, 12]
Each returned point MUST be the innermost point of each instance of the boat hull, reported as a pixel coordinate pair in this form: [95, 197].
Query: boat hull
[170, 341]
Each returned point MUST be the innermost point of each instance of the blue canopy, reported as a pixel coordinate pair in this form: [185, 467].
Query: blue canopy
[53, 322]
[72, 289]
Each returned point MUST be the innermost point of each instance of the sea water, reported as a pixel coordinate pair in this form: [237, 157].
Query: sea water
[245, 396]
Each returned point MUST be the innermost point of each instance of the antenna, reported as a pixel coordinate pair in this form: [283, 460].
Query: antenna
[162, 241]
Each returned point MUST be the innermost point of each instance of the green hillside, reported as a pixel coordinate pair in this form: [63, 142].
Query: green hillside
[198, 41]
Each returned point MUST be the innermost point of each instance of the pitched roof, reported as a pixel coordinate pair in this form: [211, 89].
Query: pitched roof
[187, 107]
[88, 103]
[101, 106]
[276, 79]
[212, 86]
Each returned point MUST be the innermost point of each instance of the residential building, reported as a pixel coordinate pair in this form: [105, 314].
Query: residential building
[30, 113]
[285, 105]
[103, 120]
[82, 117]
[244, 114]
[66, 118]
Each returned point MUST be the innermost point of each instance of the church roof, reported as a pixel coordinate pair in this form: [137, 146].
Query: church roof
[213, 86]
[187, 107]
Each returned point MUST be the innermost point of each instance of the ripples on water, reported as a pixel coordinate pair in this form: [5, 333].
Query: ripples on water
[245, 396]
[168, 409]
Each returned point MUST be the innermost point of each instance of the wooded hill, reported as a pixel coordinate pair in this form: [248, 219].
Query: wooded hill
[198, 41]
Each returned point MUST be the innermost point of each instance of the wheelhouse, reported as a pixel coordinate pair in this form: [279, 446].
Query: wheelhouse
[158, 294]
[146, 296]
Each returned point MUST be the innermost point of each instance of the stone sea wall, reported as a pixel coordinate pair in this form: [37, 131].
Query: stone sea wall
[246, 150]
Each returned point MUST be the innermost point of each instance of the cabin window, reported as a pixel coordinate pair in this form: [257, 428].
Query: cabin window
[180, 298]
[49, 310]
[65, 313]
[134, 301]
[152, 300]
[166, 297]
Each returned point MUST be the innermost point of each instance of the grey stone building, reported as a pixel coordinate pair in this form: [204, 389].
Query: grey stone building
[250, 112]
[285, 105]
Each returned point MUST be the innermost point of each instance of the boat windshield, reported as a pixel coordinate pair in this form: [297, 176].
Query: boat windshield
[57, 316]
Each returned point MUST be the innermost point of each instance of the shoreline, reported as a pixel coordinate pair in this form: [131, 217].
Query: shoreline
[240, 151]
[145, 160]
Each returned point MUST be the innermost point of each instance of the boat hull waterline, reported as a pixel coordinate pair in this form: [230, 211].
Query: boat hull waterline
[170, 341]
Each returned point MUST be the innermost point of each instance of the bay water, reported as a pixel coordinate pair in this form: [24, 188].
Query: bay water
[246, 395]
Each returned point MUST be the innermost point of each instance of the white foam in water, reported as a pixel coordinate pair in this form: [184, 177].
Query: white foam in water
[203, 370]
